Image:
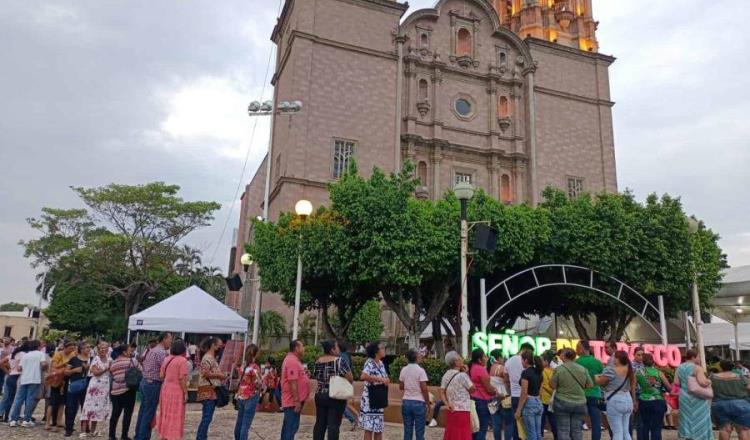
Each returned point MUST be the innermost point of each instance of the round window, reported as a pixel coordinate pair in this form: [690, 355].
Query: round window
[463, 107]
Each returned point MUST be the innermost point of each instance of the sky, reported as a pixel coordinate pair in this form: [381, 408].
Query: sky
[94, 92]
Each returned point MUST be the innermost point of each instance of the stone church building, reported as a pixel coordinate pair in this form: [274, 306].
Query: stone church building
[511, 95]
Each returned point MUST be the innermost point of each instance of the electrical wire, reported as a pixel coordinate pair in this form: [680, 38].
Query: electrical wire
[247, 153]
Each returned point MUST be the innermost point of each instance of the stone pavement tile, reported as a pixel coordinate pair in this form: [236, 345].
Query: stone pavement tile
[266, 426]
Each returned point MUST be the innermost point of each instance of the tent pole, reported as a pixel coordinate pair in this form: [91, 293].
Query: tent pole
[737, 338]
[244, 350]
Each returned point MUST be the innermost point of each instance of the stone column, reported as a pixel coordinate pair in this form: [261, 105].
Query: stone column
[435, 159]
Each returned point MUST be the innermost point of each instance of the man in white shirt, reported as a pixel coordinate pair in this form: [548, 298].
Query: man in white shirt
[28, 385]
[514, 367]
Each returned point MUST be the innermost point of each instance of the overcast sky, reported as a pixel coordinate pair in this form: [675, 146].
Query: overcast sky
[94, 92]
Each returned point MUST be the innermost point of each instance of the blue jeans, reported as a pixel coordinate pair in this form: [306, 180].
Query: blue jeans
[595, 415]
[619, 409]
[569, 419]
[503, 421]
[291, 424]
[9, 395]
[532, 418]
[245, 415]
[484, 418]
[26, 397]
[147, 412]
[513, 408]
[548, 416]
[207, 414]
[651, 419]
[414, 413]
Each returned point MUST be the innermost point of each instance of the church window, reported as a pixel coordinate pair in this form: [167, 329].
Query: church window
[505, 191]
[424, 41]
[503, 107]
[342, 153]
[502, 58]
[463, 44]
[423, 86]
[422, 173]
[575, 187]
[462, 177]
[463, 107]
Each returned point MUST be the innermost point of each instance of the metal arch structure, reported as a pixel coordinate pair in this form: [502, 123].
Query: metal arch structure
[564, 268]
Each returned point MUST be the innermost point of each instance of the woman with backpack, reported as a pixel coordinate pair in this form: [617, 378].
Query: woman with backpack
[125, 380]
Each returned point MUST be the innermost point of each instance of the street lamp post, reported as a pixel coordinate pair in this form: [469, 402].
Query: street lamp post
[247, 261]
[693, 225]
[464, 191]
[303, 208]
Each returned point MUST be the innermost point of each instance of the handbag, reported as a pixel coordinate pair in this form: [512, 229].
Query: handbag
[698, 391]
[474, 417]
[378, 396]
[338, 387]
[133, 376]
[222, 396]
[77, 386]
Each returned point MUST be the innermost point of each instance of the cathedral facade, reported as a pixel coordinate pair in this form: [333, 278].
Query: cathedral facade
[511, 95]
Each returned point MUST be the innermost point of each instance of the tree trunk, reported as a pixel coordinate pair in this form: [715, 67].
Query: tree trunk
[437, 337]
[580, 326]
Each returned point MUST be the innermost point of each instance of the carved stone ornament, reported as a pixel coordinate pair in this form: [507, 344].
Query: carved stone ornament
[422, 193]
[504, 123]
[464, 61]
[423, 107]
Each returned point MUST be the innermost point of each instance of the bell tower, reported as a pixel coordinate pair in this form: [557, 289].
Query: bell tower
[566, 22]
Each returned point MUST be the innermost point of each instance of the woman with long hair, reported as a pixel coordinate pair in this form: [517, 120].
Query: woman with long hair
[122, 396]
[618, 382]
[502, 419]
[248, 393]
[97, 407]
[530, 407]
[210, 378]
[170, 423]
[11, 380]
[76, 372]
[483, 392]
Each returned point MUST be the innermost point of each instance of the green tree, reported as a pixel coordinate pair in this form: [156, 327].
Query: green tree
[366, 325]
[13, 307]
[85, 310]
[272, 325]
[126, 246]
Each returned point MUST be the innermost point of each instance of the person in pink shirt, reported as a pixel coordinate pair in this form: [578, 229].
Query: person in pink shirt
[295, 388]
[483, 390]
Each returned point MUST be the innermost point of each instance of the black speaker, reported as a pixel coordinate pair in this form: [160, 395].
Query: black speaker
[485, 238]
[234, 282]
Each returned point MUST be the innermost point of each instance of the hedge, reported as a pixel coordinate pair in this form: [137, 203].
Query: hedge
[435, 369]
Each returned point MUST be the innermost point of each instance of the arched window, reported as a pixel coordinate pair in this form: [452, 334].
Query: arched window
[423, 89]
[505, 192]
[424, 41]
[463, 45]
[503, 107]
[422, 173]
[502, 58]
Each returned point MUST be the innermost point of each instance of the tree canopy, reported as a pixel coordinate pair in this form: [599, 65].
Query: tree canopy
[125, 247]
[377, 241]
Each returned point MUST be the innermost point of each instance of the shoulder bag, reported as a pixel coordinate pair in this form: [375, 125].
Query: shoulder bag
[697, 391]
[378, 395]
[338, 387]
[133, 376]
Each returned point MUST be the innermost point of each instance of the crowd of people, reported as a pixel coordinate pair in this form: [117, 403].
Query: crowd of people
[566, 391]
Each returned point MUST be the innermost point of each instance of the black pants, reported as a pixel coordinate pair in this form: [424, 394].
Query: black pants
[72, 403]
[122, 404]
[328, 413]
[651, 419]
[56, 400]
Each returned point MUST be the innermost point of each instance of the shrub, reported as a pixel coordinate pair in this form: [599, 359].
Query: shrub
[435, 369]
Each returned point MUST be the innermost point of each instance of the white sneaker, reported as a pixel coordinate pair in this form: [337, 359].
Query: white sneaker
[82, 435]
[28, 424]
[433, 423]
[585, 427]
[13, 424]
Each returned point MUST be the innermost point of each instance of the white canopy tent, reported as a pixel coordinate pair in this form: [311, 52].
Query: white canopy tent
[190, 311]
[732, 303]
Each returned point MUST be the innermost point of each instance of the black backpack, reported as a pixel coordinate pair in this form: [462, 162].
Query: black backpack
[133, 377]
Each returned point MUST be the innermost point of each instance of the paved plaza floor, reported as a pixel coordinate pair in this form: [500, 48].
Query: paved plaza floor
[267, 426]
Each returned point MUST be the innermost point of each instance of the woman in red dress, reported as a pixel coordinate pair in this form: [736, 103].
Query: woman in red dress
[171, 420]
